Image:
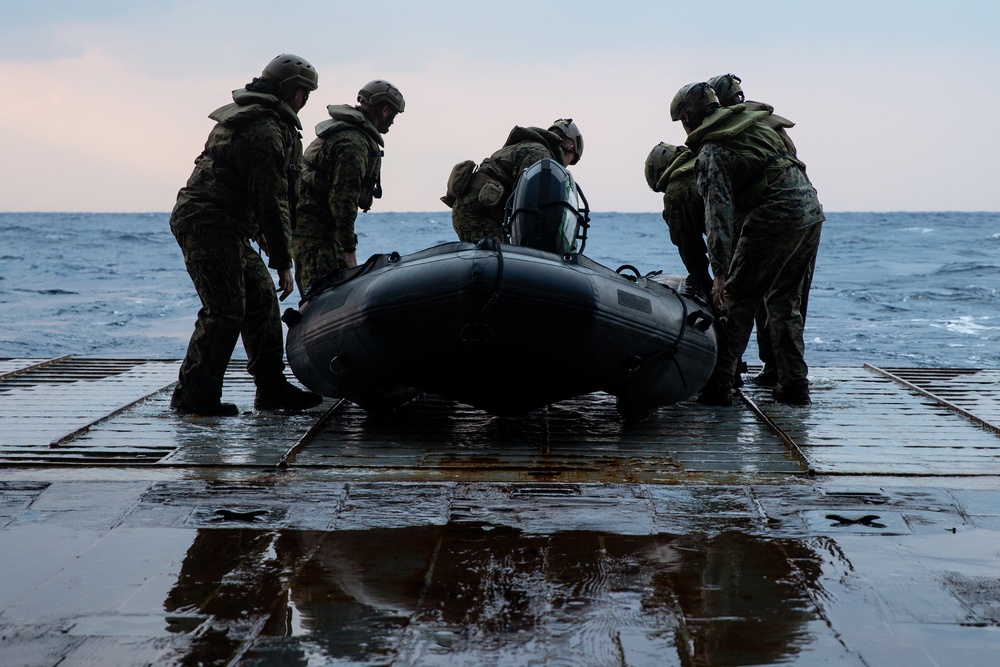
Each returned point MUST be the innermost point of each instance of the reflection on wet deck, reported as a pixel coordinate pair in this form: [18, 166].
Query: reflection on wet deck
[863, 530]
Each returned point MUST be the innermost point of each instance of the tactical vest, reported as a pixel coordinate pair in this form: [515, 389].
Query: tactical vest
[217, 159]
[343, 118]
[682, 166]
[760, 153]
[501, 164]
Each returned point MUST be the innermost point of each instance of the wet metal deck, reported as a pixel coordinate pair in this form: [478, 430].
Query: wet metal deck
[862, 530]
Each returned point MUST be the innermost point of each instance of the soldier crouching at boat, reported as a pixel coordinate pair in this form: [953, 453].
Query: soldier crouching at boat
[240, 189]
[477, 195]
[670, 169]
[342, 173]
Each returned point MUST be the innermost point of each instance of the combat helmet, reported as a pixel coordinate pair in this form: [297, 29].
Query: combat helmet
[567, 129]
[696, 99]
[727, 88]
[290, 71]
[661, 156]
[381, 92]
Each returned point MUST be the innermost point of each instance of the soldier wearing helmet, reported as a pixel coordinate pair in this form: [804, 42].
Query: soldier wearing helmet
[745, 175]
[341, 174]
[670, 169]
[730, 93]
[477, 201]
[243, 188]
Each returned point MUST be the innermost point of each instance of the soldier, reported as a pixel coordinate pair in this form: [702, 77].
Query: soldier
[744, 172]
[670, 170]
[240, 189]
[729, 91]
[727, 88]
[477, 202]
[341, 175]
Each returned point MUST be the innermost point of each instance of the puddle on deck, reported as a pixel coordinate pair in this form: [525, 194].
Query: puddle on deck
[280, 571]
[862, 530]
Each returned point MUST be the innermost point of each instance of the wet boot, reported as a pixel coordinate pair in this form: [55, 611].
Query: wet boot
[768, 377]
[183, 407]
[791, 395]
[283, 395]
[716, 395]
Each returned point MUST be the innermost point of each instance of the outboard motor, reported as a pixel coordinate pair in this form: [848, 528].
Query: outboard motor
[543, 212]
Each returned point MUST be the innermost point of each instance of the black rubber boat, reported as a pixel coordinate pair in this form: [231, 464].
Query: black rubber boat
[505, 328]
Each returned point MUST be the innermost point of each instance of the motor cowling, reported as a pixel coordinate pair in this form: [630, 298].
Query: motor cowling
[543, 212]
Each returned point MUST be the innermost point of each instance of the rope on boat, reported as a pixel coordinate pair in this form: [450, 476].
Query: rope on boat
[477, 330]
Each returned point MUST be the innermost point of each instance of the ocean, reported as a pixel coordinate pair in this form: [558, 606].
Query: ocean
[890, 289]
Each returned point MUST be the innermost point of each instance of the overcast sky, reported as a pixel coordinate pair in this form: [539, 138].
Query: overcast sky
[105, 102]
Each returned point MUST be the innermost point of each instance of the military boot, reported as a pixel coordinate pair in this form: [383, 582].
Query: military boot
[184, 407]
[283, 395]
[798, 395]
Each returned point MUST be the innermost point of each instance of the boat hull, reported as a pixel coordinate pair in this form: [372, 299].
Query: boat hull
[502, 328]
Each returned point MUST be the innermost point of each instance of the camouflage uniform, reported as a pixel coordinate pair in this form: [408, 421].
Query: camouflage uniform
[765, 346]
[684, 213]
[341, 175]
[239, 188]
[524, 147]
[743, 172]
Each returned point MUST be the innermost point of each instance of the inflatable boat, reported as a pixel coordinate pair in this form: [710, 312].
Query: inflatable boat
[502, 327]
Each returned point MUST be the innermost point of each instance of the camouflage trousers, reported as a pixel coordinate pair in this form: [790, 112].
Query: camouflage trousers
[238, 298]
[768, 271]
[473, 221]
[765, 346]
[312, 263]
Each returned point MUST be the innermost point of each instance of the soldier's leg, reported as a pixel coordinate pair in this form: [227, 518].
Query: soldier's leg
[263, 339]
[262, 332]
[765, 350]
[215, 265]
[750, 277]
[784, 305]
[313, 263]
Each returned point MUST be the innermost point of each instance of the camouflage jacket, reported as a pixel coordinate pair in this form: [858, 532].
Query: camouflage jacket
[524, 147]
[341, 174]
[684, 213]
[246, 176]
[742, 172]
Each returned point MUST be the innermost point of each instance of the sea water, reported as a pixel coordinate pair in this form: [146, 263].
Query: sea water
[903, 289]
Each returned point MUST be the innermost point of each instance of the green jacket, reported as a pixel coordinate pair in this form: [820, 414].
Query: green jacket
[342, 172]
[739, 156]
[247, 174]
[524, 147]
[684, 213]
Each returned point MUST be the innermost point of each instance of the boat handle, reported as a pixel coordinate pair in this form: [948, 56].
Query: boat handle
[700, 320]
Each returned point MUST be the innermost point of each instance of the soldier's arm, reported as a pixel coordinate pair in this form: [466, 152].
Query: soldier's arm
[350, 163]
[713, 181]
[262, 157]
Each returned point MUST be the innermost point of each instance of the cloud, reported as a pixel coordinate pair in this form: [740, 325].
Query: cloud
[107, 109]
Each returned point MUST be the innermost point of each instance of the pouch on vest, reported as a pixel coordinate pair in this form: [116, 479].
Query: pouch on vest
[458, 181]
[491, 194]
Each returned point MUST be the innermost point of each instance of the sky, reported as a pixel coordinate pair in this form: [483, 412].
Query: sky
[106, 102]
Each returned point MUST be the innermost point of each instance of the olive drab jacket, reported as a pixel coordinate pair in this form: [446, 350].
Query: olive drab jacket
[245, 180]
[684, 213]
[524, 147]
[738, 158]
[472, 217]
[777, 123]
[341, 174]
